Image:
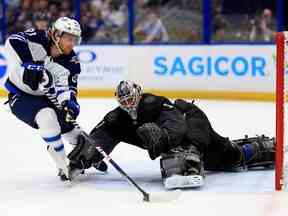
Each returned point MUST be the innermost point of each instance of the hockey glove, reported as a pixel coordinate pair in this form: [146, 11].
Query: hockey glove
[71, 108]
[79, 156]
[33, 74]
[154, 139]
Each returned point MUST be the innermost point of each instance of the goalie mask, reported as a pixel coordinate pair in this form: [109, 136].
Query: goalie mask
[128, 95]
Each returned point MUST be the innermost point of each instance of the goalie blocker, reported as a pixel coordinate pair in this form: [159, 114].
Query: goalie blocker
[81, 159]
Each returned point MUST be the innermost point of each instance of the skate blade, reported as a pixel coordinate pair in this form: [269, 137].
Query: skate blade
[177, 181]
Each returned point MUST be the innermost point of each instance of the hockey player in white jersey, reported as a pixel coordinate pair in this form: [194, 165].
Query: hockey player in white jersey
[46, 58]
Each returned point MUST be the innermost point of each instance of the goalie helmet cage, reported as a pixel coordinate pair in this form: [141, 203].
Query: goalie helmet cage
[281, 168]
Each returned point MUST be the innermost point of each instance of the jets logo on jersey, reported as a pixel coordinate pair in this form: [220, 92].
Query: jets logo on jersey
[3, 66]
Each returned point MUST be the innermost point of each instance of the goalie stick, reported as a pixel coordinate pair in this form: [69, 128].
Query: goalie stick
[147, 197]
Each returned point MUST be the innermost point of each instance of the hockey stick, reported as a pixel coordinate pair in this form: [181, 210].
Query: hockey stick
[147, 197]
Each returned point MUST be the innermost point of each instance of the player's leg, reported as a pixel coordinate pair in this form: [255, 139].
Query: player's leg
[37, 112]
[198, 125]
[50, 131]
[183, 166]
[238, 154]
[221, 154]
[257, 151]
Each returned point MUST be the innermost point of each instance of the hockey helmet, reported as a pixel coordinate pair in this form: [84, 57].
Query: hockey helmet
[128, 95]
[66, 25]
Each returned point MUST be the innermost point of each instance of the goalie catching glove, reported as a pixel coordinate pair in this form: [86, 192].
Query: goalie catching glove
[154, 139]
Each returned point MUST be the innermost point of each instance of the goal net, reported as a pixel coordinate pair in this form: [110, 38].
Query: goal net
[281, 175]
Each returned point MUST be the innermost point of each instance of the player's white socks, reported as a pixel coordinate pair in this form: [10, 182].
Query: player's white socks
[59, 157]
[50, 131]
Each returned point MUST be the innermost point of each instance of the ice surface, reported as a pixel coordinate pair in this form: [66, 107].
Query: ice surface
[29, 186]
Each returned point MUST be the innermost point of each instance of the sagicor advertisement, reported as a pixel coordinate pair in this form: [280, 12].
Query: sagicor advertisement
[233, 68]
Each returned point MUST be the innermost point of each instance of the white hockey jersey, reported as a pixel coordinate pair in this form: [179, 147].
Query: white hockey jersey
[34, 46]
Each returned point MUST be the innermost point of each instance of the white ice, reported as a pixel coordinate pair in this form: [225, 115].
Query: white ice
[29, 185]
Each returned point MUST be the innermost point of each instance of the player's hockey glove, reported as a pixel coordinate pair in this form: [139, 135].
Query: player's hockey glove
[33, 74]
[71, 108]
[154, 139]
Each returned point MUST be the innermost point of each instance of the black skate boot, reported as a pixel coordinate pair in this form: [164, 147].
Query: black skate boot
[72, 174]
[62, 176]
[74, 170]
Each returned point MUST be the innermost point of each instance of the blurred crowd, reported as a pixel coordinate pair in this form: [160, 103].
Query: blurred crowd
[101, 20]
[240, 25]
[163, 21]
[104, 21]
[22, 14]
[155, 21]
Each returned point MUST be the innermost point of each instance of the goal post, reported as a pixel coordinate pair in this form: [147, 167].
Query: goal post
[281, 167]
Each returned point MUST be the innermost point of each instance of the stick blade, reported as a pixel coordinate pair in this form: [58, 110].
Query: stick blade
[168, 196]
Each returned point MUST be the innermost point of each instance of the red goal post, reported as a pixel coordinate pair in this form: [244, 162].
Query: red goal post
[281, 167]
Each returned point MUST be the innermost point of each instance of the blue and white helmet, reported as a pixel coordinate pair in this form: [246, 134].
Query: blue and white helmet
[67, 25]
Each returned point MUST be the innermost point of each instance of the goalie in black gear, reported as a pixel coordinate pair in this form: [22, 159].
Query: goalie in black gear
[180, 133]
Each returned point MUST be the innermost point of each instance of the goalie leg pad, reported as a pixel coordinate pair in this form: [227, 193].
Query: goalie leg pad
[182, 168]
[258, 151]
